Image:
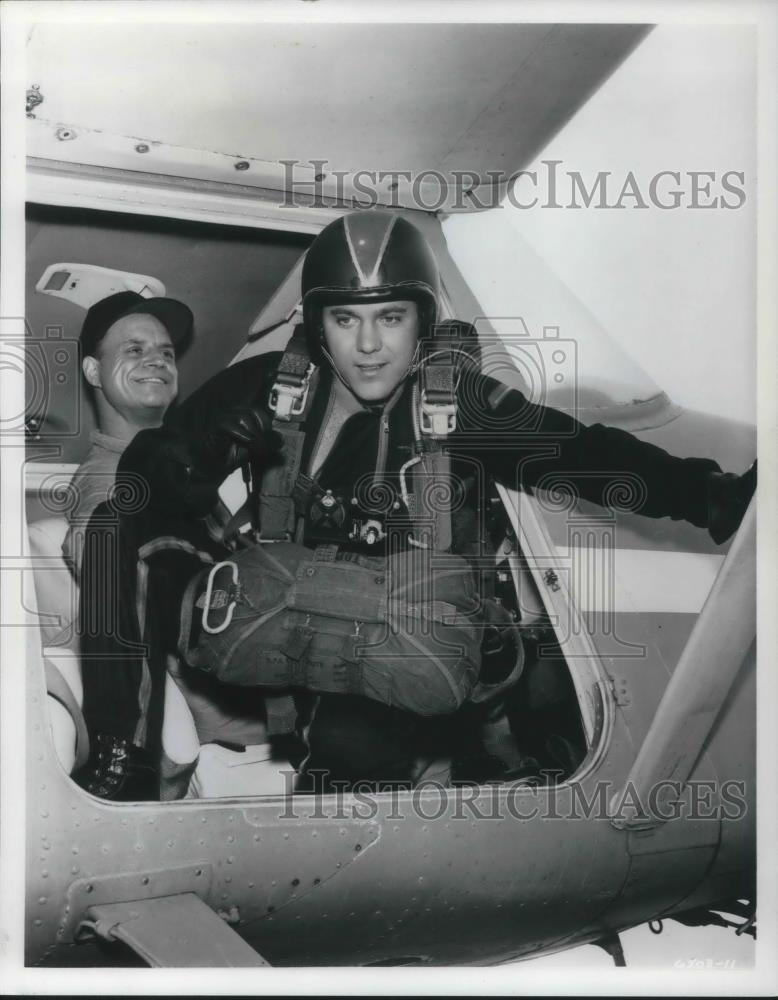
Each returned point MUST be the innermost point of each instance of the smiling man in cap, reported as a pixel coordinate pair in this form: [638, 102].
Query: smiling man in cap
[129, 346]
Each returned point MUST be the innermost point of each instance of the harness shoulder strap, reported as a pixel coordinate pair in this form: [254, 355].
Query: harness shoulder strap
[290, 399]
[453, 344]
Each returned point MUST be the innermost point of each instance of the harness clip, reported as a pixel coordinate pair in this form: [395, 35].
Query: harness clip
[288, 400]
[437, 419]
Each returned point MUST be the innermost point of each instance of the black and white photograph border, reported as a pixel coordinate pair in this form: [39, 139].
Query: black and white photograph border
[644, 209]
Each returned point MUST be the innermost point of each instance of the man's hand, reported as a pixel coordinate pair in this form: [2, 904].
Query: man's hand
[728, 499]
[183, 474]
[240, 434]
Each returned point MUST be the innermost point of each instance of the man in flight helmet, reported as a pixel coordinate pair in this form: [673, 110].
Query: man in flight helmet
[334, 430]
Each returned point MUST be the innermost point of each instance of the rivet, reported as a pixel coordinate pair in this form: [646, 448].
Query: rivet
[319, 177]
[90, 888]
[295, 881]
[43, 899]
[230, 860]
[38, 923]
[142, 147]
[316, 881]
[241, 165]
[357, 847]
[231, 838]
[145, 880]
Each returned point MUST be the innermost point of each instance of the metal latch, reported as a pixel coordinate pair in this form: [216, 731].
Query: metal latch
[437, 419]
[288, 400]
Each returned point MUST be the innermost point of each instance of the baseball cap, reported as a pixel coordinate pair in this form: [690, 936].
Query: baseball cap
[172, 314]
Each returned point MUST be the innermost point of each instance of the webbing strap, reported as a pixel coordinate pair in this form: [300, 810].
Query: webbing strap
[277, 512]
[437, 419]
[289, 395]
[278, 501]
[344, 676]
[281, 713]
[438, 396]
[428, 490]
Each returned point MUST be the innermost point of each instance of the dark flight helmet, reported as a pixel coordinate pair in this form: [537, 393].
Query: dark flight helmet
[369, 256]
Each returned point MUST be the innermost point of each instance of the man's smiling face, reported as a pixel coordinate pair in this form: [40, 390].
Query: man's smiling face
[135, 369]
[372, 344]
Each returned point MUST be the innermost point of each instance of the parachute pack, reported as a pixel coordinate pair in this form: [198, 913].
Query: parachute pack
[407, 629]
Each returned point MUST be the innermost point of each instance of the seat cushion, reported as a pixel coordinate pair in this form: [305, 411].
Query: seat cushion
[56, 590]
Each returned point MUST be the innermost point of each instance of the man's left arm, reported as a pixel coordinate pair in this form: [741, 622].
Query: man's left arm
[542, 443]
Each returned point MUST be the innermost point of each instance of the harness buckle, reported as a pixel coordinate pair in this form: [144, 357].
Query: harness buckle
[288, 399]
[438, 420]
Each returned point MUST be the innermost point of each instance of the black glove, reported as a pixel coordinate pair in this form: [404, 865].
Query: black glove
[118, 770]
[240, 434]
[728, 499]
[164, 461]
[183, 473]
